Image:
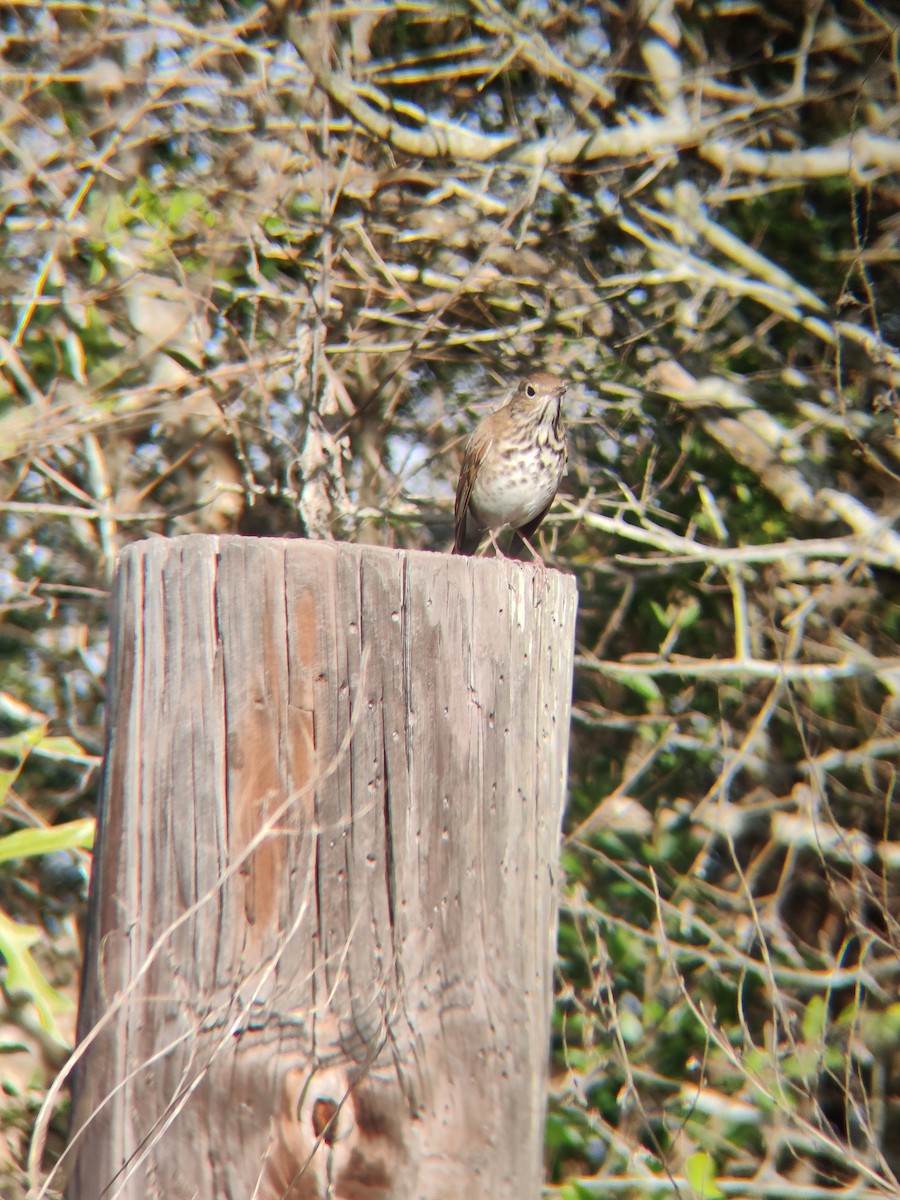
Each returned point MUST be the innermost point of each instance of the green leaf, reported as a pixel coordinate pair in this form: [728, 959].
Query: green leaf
[815, 1017]
[34, 740]
[26, 843]
[661, 614]
[24, 981]
[880, 1031]
[700, 1169]
[17, 747]
[644, 685]
[63, 748]
[631, 1027]
[183, 203]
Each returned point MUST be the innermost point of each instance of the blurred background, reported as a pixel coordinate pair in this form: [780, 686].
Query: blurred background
[262, 268]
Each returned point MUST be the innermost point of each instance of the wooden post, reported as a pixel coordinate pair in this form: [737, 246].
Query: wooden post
[323, 913]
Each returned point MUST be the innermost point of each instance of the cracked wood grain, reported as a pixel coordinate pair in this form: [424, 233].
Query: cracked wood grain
[323, 914]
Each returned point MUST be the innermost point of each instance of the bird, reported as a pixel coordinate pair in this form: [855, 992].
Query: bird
[513, 465]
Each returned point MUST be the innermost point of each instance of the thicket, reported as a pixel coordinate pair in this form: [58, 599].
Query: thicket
[263, 266]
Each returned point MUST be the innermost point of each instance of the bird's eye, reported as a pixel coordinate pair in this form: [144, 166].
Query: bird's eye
[529, 390]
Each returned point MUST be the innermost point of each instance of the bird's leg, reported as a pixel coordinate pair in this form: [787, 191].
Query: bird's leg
[518, 536]
[483, 542]
[497, 550]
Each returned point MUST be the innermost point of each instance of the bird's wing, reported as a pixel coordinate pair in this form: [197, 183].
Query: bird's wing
[476, 451]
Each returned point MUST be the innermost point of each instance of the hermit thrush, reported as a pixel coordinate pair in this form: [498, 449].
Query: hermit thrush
[513, 464]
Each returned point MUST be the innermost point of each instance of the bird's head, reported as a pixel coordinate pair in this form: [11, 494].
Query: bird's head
[539, 393]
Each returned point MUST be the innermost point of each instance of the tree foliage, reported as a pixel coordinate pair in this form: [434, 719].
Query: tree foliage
[263, 267]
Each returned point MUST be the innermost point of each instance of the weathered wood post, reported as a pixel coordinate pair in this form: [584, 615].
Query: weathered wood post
[323, 913]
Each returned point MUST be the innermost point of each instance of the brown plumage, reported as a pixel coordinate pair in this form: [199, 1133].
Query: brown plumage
[513, 464]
